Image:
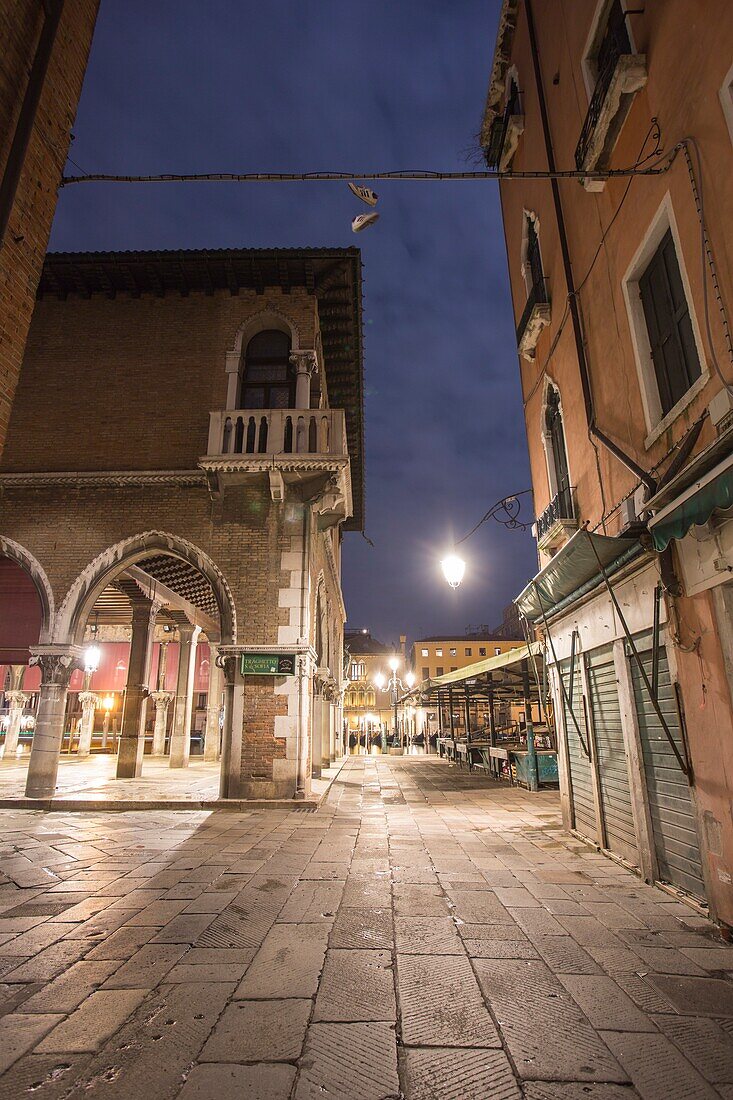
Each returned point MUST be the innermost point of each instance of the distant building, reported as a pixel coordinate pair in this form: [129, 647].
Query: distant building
[367, 709]
[441, 653]
[44, 54]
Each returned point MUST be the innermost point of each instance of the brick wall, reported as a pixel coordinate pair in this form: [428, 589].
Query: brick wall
[21, 256]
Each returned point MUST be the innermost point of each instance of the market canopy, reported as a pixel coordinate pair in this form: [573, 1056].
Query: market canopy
[573, 567]
[709, 494]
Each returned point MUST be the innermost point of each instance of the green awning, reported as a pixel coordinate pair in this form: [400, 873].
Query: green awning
[711, 493]
[574, 567]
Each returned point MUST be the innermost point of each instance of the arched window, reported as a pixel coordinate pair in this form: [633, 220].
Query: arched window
[371, 699]
[557, 457]
[268, 381]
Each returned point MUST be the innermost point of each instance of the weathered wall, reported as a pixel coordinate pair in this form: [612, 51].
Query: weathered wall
[21, 256]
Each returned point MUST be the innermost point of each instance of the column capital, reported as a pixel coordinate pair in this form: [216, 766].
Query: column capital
[228, 662]
[305, 362]
[187, 632]
[17, 699]
[161, 699]
[88, 699]
[57, 662]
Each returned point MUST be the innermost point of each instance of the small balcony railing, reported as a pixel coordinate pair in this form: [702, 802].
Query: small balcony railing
[315, 432]
[620, 74]
[561, 509]
[537, 297]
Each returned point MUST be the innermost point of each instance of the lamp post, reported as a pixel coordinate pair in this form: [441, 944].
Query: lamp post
[88, 700]
[393, 685]
[506, 512]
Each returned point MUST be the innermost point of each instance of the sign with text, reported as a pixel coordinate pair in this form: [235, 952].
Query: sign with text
[268, 664]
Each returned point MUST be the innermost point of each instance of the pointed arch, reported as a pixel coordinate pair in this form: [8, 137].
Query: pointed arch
[9, 548]
[83, 593]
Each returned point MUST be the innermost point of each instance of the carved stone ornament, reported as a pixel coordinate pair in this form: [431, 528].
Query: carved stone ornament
[161, 699]
[89, 700]
[305, 362]
[56, 668]
[17, 699]
[227, 662]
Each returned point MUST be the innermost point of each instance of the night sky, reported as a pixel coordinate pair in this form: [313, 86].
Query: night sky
[291, 85]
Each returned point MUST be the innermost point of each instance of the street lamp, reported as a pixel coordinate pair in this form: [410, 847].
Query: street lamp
[92, 657]
[394, 685]
[506, 512]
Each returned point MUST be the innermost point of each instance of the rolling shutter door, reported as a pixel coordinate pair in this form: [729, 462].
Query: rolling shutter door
[613, 771]
[581, 782]
[670, 800]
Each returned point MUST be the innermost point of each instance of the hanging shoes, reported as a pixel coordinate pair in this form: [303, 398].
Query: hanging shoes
[363, 221]
[364, 193]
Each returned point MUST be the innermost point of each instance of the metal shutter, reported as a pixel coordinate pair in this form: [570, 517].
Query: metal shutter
[670, 800]
[581, 782]
[618, 814]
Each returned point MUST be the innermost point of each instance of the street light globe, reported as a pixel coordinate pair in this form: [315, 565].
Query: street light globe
[394, 663]
[92, 657]
[108, 702]
[453, 569]
[410, 679]
[379, 680]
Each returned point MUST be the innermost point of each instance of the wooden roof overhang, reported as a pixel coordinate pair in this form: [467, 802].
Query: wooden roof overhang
[332, 275]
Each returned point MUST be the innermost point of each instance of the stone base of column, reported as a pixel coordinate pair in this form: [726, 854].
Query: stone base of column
[130, 758]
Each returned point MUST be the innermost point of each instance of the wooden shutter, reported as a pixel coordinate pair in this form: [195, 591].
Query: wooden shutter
[667, 315]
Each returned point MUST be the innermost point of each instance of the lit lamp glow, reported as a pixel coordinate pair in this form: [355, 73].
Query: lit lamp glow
[92, 657]
[380, 681]
[410, 679]
[394, 663]
[108, 702]
[453, 569]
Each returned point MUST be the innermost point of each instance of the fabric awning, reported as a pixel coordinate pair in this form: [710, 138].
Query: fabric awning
[572, 568]
[709, 494]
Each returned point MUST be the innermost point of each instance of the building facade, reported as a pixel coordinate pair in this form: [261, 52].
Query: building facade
[436, 656]
[45, 47]
[621, 288]
[367, 711]
[184, 452]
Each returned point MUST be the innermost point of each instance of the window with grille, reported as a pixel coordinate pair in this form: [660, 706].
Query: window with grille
[269, 379]
[667, 315]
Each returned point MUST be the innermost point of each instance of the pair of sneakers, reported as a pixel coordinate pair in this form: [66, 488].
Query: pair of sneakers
[362, 221]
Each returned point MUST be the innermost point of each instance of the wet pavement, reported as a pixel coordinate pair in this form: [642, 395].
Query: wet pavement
[425, 933]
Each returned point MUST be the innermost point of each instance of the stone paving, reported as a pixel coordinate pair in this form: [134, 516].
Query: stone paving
[425, 934]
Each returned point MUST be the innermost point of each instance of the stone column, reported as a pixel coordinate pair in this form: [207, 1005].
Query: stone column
[212, 734]
[56, 664]
[181, 733]
[305, 367]
[18, 700]
[231, 755]
[162, 700]
[89, 703]
[326, 727]
[132, 733]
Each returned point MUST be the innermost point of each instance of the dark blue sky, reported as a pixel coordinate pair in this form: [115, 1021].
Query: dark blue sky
[292, 85]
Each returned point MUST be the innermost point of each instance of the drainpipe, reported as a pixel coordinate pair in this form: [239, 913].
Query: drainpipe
[590, 414]
[24, 127]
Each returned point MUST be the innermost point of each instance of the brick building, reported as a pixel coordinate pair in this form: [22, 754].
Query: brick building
[44, 54]
[185, 449]
[622, 288]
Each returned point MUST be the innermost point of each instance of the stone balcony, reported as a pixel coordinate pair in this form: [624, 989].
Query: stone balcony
[302, 452]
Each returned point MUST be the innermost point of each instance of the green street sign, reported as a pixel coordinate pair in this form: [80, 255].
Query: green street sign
[268, 664]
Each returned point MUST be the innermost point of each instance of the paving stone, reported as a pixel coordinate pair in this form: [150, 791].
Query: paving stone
[356, 985]
[427, 936]
[365, 894]
[147, 967]
[702, 1042]
[478, 906]
[666, 960]
[709, 958]
[47, 1076]
[219, 956]
[411, 900]
[604, 1003]
[564, 956]
[65, 993]
[207, 972]
[538, 922]
[358, 1061]
[657, 1069]
[158, 913]
[288, 964]
[121, 944]
[696, 996]
[258, 1031]
[371, 928]
[469, 931]
[20, 1032]
[499, 949]
[99, 1017]
[50, 962]
[574, 1090]
[441, 1004]
[442, 1074]
[231, 1082]
[547, 1035]
[311, 902]
[186, 928]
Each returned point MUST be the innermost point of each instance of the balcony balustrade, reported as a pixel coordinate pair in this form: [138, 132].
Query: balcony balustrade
[260, 432]
[621, 74]
[558, 520]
